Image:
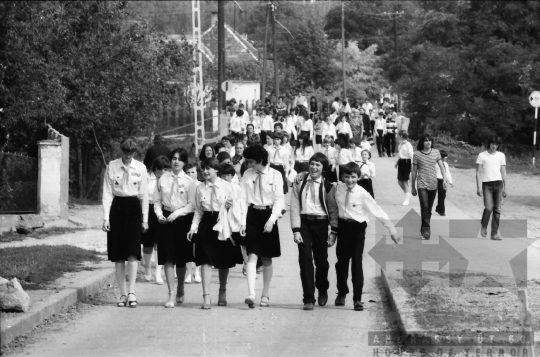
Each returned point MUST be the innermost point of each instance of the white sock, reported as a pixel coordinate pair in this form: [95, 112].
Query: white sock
[147, 265]
[251, 269]
[267, 278]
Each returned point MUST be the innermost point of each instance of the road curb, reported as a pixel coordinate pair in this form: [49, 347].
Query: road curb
[21, 324]
[404, 315]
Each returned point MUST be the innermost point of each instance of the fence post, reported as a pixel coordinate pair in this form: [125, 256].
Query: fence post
[53, 175]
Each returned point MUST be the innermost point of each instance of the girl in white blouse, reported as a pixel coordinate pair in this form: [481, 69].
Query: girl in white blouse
[343, 156]
[305, 123]
[302, 153]
[367, 172]
[404, 165]
[212, 196]
[329, 128]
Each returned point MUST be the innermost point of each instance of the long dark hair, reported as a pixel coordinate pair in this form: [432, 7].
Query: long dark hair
[305, 142]
[313, 104]
[423, 138]
[202, 154]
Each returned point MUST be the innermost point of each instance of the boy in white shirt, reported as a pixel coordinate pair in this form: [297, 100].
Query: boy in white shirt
[365, 145]
[356, 152]
[441, 192]
[352, 204]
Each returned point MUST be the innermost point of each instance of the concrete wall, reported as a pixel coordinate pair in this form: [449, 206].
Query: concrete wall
[53, 176]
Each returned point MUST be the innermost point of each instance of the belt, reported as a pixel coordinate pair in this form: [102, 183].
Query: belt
[348, 220]
[150, 202]
[313, 216]
[211, 212]
[260, 207]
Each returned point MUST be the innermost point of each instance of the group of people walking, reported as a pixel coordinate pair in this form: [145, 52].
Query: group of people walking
[223, 211]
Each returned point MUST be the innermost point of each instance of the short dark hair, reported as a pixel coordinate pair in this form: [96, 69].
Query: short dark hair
[229, 138]
[443, 153]
[425, 137]
[188, 167]
[129, 144]
[202, 155]
[404, 134]
[227, 169]
[340, 142]
[183, 155]
[211, 163]
[337, 98]
[161, 163]
[239, 112]
[495, 139]
[354, 141]
[321, 158]
[351, 168]
[278, 136]
[257, 153]
[253, 126]
[217, 147]
[278, 124]
[266, 111]
[222, 156]
[243, 167]
[269, 134]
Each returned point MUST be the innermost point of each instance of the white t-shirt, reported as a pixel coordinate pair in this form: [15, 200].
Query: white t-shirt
[491, 165]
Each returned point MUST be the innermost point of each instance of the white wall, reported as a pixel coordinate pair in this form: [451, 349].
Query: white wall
[244, 91]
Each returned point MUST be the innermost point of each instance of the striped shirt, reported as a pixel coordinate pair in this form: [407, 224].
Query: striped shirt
[425, 163]
[391, 126]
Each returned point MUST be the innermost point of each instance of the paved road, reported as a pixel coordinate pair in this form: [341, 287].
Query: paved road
[284, 329]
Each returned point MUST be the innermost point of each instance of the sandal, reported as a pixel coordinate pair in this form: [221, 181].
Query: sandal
[265, 303]
[122, 302]
[169, 304]
[204, 305]
[132, 303]
[250, 301]
[222, 298]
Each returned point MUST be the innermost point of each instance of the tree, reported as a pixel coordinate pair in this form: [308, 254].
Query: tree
[364, 77]
[91, 69]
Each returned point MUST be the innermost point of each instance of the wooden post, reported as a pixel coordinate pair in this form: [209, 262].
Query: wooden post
[343, 47]
[276, 77]
[221, 54]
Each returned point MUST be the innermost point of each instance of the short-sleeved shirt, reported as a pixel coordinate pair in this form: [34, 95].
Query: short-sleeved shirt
[491, 165]
[425, 163]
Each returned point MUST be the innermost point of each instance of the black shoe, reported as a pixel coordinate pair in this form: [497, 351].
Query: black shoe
[426, 234]
[308, 306]
[358, 306]
[323, 298]
[340, 300]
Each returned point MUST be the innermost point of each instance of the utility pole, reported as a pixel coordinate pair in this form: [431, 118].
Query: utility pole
[221, 55]
[263, 88]
[343, 47]
[276, 78]
[396, 52]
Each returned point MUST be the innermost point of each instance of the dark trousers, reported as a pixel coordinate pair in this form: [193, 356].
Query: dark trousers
[345, 138]
[380, 143]
[492, 192]
[314, 248]
[350, 246]
[427, 198]
[441, 196]
[390, 143]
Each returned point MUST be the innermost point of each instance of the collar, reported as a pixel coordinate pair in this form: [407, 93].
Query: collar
[319, 180]
[217, 183]
[180, 175]
[265, 170]
[152, 176]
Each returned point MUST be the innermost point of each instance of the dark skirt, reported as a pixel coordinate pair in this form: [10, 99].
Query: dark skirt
[210, 250]
[173, 245]
[345, 138]
[124, 237]
[318, 139]
[307, 133]
[150, 237]
[301, 166]
[281, 170]
[367, 185]
[260, 243]
[404, 169]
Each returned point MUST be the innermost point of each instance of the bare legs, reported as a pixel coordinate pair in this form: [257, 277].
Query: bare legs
[206, 272]
[407, 190]
[120, 268]
[147, 258]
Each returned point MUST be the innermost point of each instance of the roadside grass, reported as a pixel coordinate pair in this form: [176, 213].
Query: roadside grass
[75, 201]
[37, 266]
[483, 303]
[39, 233]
